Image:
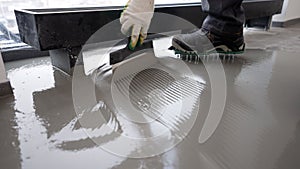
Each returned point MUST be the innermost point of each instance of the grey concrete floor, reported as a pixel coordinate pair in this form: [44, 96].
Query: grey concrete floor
[259, 128]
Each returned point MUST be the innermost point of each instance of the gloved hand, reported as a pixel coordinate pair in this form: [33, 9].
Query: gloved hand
[136, 19]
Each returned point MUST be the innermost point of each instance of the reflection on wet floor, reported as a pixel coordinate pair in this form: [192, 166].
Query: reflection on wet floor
[259, 127]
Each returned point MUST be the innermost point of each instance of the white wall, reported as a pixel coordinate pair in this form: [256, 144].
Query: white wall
[2, 71]
[290, 10]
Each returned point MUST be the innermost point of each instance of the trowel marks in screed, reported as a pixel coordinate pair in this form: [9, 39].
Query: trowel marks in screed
[155, 101]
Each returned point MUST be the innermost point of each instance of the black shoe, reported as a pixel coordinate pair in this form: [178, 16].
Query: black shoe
[203, 42]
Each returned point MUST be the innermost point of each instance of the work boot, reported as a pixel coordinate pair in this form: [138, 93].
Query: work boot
[203, 42]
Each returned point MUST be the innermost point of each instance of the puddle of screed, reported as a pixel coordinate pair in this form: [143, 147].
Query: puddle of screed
[260, 127]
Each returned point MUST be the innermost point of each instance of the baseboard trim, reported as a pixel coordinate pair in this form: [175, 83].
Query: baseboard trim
[286, 23]
[5, 89]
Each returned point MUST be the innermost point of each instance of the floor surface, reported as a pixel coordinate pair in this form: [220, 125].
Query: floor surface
[259, 128]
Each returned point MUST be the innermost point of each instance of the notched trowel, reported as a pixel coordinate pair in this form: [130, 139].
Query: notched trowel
[125, 53]
[137, 56]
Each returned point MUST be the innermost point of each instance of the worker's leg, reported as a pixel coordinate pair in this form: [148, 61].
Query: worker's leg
[222, 30]
[224, 16]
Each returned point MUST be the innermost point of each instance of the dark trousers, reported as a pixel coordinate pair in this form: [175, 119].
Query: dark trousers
[224, 16]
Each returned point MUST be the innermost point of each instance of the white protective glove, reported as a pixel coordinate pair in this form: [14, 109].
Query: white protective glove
[136, 19]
